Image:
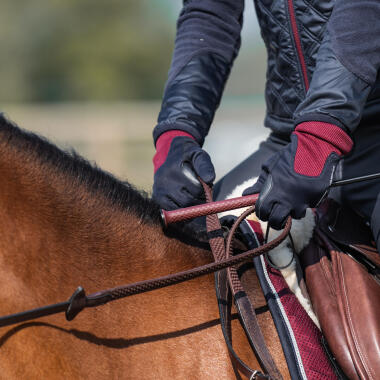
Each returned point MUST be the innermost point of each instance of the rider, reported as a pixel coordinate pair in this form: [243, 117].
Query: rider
[322, 98]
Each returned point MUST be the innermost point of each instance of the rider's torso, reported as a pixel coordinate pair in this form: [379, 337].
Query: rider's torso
[293, 31]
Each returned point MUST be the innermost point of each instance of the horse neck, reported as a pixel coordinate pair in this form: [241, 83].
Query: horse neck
[58, 234]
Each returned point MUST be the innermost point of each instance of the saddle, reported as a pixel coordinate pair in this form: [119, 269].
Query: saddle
[342, 274]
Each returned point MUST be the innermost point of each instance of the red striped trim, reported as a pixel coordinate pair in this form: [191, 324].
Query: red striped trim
[297, 41]
[163, 145]
[313, 358]
[316, 141]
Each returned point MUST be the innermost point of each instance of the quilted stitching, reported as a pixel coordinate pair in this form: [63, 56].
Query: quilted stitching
[285, 89]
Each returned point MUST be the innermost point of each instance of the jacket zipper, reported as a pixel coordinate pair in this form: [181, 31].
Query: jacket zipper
[297, 41]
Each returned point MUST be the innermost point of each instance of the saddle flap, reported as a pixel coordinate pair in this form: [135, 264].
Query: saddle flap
[358, 295]
[346, 299]
[320, 285]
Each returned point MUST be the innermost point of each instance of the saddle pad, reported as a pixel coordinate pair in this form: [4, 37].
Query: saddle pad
[300, 338]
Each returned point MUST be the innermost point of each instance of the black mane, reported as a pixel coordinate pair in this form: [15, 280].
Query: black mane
[117, 192]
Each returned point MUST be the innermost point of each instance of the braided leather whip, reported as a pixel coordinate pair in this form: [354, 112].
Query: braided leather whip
[79, 300]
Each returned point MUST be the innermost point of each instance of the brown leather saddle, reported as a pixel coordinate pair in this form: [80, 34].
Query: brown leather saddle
[342, 273]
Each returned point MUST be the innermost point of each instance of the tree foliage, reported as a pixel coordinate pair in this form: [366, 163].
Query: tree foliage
[57, 50]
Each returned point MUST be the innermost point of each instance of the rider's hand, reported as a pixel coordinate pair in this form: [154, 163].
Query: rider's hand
[298, 176]
[178, 157]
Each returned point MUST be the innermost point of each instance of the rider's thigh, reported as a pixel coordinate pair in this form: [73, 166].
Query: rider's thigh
[364, 159]
[250, 167]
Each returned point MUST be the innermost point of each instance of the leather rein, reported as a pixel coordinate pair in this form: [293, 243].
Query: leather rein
[222, 252]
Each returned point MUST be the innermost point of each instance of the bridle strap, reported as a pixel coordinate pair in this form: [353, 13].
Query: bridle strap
[224, 298]
[247, 311]
[228, 281]
[79, 300]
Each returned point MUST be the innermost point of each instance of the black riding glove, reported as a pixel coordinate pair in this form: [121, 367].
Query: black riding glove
[175, 183]
[299, 175]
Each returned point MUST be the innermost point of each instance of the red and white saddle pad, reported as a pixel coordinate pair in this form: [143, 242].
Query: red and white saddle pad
[301, 339]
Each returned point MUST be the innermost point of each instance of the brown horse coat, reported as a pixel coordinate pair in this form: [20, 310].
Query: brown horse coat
[65, 223]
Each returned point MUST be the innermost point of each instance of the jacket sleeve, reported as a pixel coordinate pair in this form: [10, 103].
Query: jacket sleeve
[207, 42]
[347, 65]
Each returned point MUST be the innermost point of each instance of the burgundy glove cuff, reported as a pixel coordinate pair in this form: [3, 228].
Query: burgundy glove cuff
[163, 145]
[315, 142]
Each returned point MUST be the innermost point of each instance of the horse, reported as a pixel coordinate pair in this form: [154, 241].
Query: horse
[65, 222]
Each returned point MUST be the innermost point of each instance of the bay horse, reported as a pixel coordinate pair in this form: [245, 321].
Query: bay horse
[64, 223]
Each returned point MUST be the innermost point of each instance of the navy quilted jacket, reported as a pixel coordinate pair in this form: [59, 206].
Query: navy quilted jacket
[323, 62]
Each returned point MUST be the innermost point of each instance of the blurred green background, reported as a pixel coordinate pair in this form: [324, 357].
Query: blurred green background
[90, 74]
